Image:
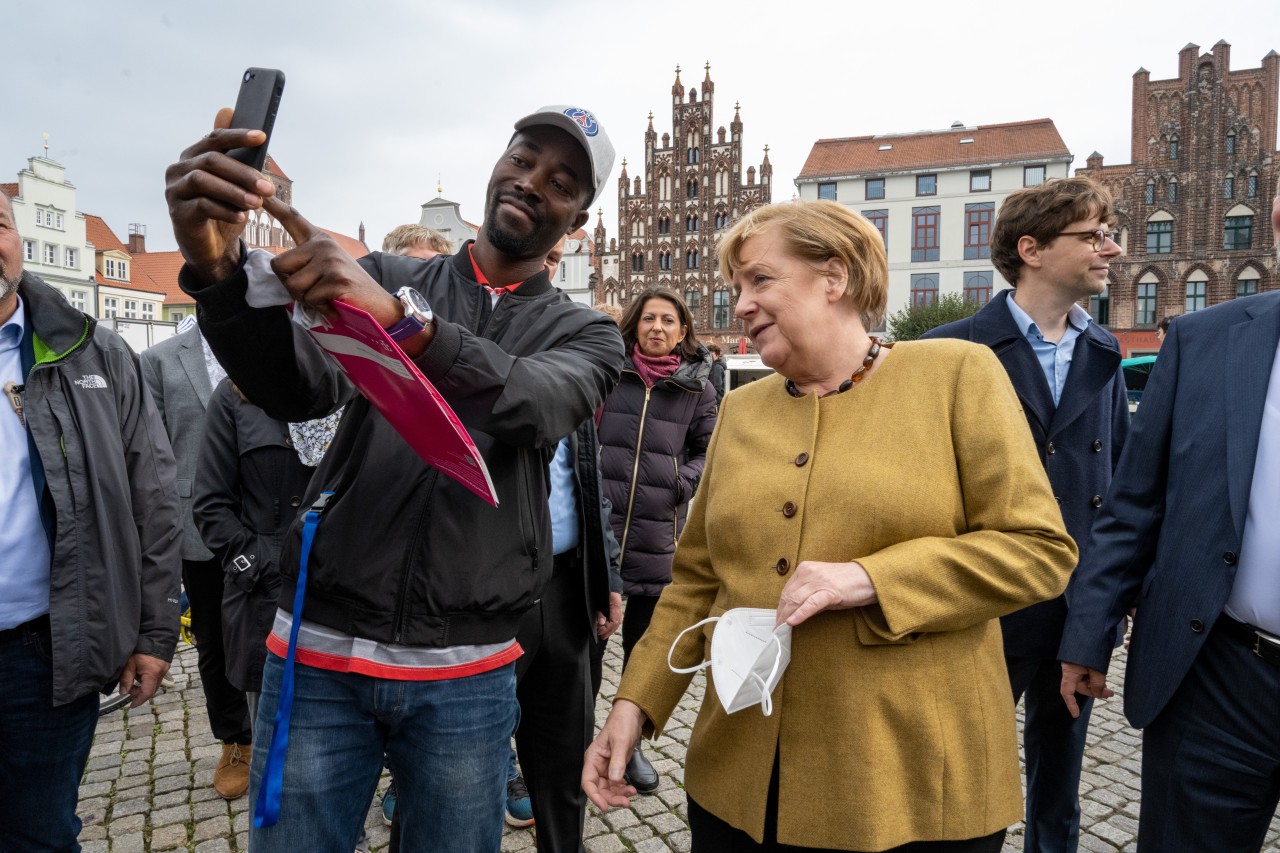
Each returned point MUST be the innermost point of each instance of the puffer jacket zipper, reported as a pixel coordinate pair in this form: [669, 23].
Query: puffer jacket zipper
[635, 474]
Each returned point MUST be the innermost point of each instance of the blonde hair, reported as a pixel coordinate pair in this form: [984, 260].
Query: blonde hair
[817, 232]
[404, 237]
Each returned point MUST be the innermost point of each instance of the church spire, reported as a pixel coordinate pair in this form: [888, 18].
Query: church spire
[707, 85]
[677, 88]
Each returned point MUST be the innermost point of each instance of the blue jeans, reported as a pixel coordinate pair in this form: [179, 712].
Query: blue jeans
[43, 749]
[447, 742]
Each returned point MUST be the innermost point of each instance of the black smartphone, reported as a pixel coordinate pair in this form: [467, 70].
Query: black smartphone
[260, 91]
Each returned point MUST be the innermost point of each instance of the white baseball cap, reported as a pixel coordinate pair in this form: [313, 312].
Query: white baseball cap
[582, 125]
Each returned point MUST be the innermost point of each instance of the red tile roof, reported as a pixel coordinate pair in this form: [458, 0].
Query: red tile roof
[97, 232]
[1037, 139]
[350, 245]
[274, 168]
[159, 272]
[11, 190]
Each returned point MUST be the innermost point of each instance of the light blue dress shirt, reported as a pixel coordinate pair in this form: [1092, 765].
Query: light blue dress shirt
[1055, 359]
[561, 503]
[24, 547]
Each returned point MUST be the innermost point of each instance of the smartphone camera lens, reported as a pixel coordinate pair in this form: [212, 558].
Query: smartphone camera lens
[248, 75]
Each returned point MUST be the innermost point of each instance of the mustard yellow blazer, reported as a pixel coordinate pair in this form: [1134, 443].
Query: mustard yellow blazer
[894, 722]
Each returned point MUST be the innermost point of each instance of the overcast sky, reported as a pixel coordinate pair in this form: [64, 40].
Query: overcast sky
[384, 96]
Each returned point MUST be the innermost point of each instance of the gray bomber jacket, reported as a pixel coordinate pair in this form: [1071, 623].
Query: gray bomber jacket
[111, 485]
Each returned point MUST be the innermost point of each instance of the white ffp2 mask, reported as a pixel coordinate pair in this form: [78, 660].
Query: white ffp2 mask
[748, 657]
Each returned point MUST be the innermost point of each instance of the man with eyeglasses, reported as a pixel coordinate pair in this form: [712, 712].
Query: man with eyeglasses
[1052, 243]
[1189, 536]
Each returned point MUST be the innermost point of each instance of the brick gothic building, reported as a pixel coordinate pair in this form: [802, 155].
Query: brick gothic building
[693, 188]
[1194, 204]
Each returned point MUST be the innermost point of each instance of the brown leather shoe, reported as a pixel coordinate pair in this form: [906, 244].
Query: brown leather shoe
[231, 777]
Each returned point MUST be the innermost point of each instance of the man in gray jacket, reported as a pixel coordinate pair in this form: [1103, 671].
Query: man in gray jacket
[181, 374]
[89, 577]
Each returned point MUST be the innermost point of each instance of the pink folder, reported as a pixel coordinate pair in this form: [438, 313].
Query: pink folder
[389, 380]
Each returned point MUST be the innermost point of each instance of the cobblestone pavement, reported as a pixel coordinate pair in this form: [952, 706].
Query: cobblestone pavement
[147, 786]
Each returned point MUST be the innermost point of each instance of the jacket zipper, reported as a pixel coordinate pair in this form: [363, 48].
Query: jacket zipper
[635, 474]
[675, 513]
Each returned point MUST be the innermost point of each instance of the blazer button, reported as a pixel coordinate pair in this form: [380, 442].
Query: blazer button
[1050, 449]
[801, 459]
[1097, 501]
[789, 509]
[1229, 558]
[783, 566]
[295, 501]
[1197, 626]
[1097, 445]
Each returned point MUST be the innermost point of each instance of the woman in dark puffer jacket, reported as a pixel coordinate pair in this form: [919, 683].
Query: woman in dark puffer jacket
[654, 432]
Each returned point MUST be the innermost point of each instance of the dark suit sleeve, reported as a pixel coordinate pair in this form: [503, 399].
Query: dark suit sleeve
[1120, 419]
[153, 381]
[1127, 530]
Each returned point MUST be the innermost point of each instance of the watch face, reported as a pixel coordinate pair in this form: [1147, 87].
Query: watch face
[414, 302]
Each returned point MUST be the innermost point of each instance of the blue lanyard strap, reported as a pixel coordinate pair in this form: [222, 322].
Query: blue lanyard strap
[267, 810]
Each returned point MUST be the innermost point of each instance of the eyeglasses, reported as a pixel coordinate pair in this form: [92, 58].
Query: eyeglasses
[1099, 235]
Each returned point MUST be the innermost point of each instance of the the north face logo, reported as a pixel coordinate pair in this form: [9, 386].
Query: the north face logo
[93, 380]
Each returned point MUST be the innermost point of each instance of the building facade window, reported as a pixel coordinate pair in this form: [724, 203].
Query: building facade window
[1173, 148]
[977, 230]
[691, 259]
[637, 263]
[925, 185]
[924, 234]
[71, 259]
[1146, 306]
[1237, 232]
[691, 223]
[1149, 196]
[722, 220]
[110, 307]
[827, 191]
[1032, 176]
[924, 289]
[693, 298]
[1196, 295]
[875, 188]
[1246, 287]
[1231, 142]
[1173, 191]
[1160, 237]
[563, 268]
[720, 309]
[977, 287]
[1252, 186]
[1100, 307]
[29, 251]
[1229, 186]
[880, 219]
[50, 254]
[664, 225]
[149, 308]
[691, 188]
[664, 260]
[79, 300]
[980, 181]
[131, 308]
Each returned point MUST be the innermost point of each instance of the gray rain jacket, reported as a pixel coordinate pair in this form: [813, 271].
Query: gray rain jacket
[111, 499]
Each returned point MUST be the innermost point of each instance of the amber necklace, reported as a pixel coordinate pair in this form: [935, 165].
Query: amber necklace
[857, 374]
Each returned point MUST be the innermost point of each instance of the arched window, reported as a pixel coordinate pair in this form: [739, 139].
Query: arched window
[1150, 196]
[691, 224]
[1159, 233]
[1247, 282]
[693, 298]
[691, 188]
[691, 259]
[1237, 228]
[1197, 291]
[1229, 186]
[1145, 314]
[1173, 147]
[1173, 191]
[720, 309]
[1231, 142]
[664, 261]
[637, 262]
[1251, 186]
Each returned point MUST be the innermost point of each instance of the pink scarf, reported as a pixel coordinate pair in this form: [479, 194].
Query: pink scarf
[652, 369]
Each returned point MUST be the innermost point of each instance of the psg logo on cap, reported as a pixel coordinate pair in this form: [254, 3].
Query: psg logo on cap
[585, 119]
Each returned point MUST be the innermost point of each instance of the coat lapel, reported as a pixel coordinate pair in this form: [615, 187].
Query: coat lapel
[995, 327]
[192, 358]
[1093, 364]
[1251, 350]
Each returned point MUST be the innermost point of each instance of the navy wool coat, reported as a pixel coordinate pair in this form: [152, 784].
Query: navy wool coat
[1079, 441]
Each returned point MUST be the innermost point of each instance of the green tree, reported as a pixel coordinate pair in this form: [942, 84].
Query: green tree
[914, 320]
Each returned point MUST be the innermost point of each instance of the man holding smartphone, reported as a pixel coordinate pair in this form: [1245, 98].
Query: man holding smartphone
[416, 587]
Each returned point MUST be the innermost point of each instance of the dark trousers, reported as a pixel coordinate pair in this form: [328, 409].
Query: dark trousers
[553, 685]
[1053, 742]
[43, 749]
[225, 704]
[1211, 759]
[713, 835]
[635, 621]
